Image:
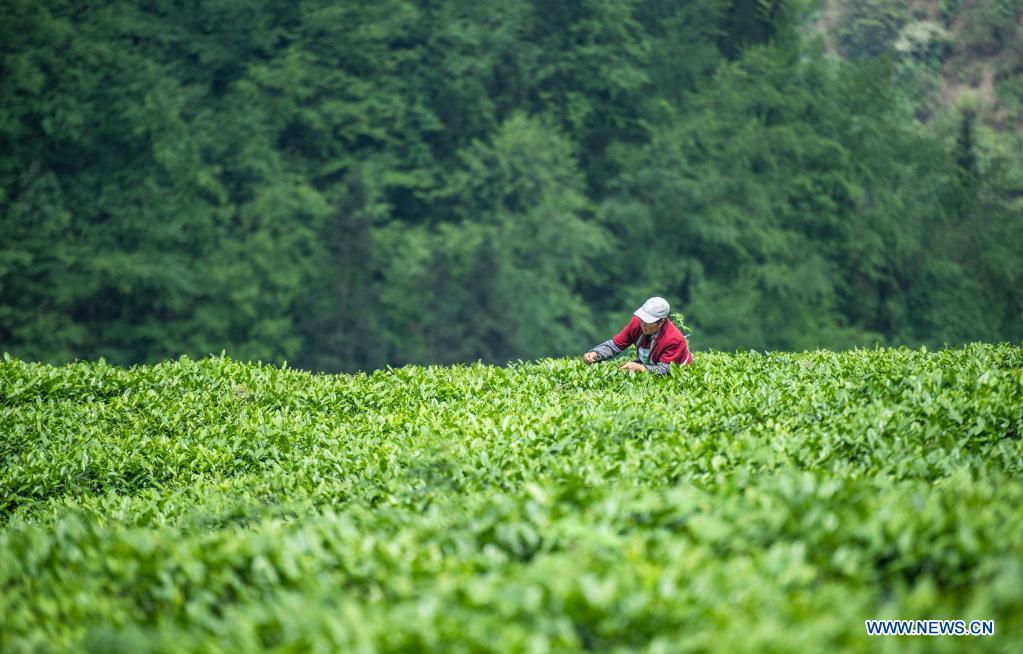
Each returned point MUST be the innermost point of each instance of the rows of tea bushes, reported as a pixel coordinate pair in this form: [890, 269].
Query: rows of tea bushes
[751, 502]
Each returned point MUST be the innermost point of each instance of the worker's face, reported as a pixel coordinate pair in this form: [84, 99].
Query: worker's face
[650, 327]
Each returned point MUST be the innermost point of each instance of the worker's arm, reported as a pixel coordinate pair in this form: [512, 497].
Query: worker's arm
[658, 368]
[606, 350]
[612, 348]
[663, 367]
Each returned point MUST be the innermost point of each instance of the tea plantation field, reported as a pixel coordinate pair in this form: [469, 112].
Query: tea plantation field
[750, 503]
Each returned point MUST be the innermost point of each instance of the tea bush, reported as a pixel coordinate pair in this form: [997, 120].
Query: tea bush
[751, 502]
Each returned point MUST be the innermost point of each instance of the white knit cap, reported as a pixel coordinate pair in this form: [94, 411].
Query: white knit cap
[653, 310]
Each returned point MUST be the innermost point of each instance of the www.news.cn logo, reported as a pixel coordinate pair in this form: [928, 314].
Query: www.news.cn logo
[930, 627]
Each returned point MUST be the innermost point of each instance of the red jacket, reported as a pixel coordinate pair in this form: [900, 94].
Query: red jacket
[671, 346]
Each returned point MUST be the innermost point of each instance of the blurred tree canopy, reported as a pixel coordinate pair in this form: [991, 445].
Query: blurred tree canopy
[351, 185]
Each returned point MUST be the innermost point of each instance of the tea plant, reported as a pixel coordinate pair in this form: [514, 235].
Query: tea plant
[750, 502]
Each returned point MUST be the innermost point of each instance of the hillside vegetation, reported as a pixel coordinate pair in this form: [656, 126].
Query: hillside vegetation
[950, 55]
[752, 502]
[349, 185]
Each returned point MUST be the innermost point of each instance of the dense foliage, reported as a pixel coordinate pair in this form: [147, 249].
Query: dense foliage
[347, 185]
[750, 502]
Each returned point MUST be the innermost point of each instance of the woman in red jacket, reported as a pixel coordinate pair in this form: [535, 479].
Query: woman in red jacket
[658, 342]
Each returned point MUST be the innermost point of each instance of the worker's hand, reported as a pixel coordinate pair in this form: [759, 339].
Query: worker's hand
[632, 366]
[590, 357]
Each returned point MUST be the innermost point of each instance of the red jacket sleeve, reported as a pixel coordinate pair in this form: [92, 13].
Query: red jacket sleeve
[627, 336]
[671, 354]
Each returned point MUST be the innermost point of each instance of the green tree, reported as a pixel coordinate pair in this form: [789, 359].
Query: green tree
[500, 280]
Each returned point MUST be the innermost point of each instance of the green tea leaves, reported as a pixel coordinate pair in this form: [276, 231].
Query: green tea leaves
[751, 501]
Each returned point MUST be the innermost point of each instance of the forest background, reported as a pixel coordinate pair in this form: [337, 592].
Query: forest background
[350, 185]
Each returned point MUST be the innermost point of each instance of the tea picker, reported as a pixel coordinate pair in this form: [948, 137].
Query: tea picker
[659, 343]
